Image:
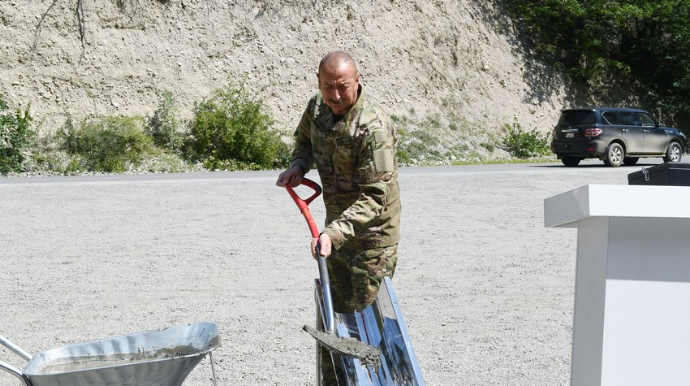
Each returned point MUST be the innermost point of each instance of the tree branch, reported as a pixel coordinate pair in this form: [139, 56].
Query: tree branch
[79, 13]
[37, 34]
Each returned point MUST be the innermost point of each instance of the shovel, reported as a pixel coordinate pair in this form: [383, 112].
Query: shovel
[367, 354]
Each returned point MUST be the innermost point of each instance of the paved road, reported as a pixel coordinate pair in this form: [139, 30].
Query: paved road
[498, 168]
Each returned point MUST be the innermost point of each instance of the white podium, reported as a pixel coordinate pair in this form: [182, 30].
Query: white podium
[632, 288]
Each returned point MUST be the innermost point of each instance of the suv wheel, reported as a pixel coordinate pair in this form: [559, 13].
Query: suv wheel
[614, 155]
[630, 161]
[674, 153]
[570, 161]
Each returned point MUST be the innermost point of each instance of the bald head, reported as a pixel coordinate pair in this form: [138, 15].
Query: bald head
[338, 82]
[337, 60]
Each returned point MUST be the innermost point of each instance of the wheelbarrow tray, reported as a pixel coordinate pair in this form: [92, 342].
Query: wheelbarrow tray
[380, 325]
[162, 358]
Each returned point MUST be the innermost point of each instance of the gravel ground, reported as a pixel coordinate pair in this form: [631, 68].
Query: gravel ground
[486, 290]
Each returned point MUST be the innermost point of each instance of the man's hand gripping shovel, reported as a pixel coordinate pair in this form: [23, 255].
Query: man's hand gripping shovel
[368, 355]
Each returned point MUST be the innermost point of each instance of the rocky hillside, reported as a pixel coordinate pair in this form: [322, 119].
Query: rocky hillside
[455, 63]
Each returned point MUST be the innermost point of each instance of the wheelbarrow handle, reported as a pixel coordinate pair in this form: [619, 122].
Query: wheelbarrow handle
[17, 350]
[303, 205]
[12, 370]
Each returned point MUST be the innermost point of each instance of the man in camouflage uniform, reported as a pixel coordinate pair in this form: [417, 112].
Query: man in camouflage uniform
[351, 140]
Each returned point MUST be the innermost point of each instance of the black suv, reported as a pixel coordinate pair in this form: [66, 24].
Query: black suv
[614, 135]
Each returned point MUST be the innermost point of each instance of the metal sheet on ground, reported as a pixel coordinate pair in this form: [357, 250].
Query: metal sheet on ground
[382, 326]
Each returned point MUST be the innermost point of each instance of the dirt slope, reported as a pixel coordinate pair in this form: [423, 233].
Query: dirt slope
[451, 61]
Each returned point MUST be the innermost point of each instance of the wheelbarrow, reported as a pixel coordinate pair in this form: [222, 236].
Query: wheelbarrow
[154, 358]
[380, 325]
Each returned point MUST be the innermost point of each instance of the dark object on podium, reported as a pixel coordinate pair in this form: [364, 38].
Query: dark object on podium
[665, 174]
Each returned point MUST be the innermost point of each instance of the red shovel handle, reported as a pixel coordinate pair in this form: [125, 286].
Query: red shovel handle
[303, 204]
[329, 315]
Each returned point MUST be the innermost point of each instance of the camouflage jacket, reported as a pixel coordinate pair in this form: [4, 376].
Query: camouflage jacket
[356, 161]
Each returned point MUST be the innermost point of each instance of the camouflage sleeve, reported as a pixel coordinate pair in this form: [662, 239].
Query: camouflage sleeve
[302, 155]
[377, 170]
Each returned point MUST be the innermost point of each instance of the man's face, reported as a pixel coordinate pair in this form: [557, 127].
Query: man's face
[339, 86]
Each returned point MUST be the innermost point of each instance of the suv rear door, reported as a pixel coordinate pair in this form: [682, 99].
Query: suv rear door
[631, 133]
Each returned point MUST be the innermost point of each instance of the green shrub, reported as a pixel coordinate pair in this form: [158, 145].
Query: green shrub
[229, 130]
[488, 146]
[523, 144]
[108, 144]
[15, 138]
[50, 161]
[165, 124]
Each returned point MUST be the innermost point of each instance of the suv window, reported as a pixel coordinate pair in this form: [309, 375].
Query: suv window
[628, 118]
[645, 119]
[610, 118]
[577, 117]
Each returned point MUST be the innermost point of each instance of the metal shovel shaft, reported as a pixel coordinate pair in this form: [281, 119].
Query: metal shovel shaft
[326, 289]
[368, 355]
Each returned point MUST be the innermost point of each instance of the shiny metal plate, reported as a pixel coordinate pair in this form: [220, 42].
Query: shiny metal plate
[382, 326]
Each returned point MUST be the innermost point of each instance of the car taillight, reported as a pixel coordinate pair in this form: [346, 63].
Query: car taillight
[554, 132]
[589, 133]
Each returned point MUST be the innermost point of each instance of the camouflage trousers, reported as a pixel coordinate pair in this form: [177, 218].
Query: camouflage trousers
[355, 278]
